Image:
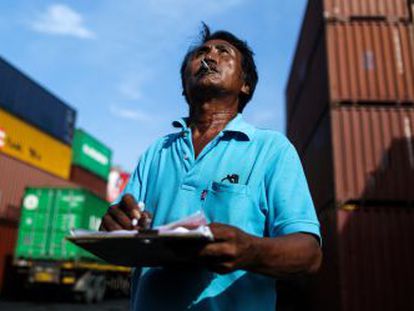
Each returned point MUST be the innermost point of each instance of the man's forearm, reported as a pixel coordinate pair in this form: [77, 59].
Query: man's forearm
[286, 256]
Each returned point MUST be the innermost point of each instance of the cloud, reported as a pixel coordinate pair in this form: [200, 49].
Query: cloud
[130, 114]
[61, 20]
[131, 86]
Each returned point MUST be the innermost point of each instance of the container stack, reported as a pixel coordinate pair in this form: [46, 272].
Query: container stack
[350, 114]
[91, 163]
[36, 131]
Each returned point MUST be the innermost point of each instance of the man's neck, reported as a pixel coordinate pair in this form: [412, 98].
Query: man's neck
[212, 116]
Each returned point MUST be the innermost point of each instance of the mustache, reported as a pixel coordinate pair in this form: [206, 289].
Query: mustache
[206, 67]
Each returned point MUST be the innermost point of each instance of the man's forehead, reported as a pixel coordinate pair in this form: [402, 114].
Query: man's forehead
[219, 42]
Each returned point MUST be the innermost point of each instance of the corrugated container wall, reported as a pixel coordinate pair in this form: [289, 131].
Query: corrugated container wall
[28, 100]
[48, 215]
[26, 143]
[368, 258]
[373, 151]
[91, 154]
[370, 61]
[88, 180]
[15, 177]
[361, 154]
[8, 236]
[346, 9]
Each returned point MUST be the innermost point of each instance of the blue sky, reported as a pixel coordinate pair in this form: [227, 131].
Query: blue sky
[117, 62]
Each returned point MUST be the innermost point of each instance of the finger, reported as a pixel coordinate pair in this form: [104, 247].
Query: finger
[110, 224]
[130, 206]
[145, 221]
[118, 215]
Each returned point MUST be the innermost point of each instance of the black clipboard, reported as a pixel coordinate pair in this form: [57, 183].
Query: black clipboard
[144, 249]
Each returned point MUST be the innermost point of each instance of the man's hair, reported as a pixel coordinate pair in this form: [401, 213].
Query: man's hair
[247, 62]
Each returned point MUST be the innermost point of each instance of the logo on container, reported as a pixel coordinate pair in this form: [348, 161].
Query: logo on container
[31, 202]
[2, 137]
[95, 154]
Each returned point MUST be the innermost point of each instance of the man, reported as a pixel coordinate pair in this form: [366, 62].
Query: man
[249, 183]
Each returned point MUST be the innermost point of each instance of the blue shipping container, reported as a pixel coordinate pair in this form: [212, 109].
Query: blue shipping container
[31, 102]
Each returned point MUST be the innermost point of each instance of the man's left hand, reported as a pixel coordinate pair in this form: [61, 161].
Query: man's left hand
[233, 249]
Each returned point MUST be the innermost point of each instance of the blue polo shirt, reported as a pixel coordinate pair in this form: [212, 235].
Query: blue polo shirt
[270, 199]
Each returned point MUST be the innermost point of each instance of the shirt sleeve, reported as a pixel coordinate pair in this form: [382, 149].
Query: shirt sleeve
[290, 206]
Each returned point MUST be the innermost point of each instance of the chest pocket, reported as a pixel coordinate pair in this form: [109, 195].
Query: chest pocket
[231, 204]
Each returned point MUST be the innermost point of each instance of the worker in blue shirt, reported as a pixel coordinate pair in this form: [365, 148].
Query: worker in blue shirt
[248, 182]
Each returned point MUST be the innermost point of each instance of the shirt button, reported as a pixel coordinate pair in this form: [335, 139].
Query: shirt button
[186, 157]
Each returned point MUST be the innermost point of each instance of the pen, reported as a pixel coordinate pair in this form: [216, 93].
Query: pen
[141, 206]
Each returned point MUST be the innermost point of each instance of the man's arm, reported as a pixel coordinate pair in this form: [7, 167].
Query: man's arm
[284, 256]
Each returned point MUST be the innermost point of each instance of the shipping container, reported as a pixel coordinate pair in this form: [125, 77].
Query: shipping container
[88, 180]
[117, 181]
[394, 10]
[373, 152]
[8, 236]
[15, 177]
[368, 258]
[370, 61]
[311, 36]
[361, 154]
[31, 102]
[91, 154]
[28, 144]
[311, 102]
[48, 215]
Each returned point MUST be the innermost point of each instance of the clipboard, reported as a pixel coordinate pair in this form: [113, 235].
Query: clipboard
[150, 248]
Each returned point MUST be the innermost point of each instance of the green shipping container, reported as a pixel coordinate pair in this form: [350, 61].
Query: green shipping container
[91, 154]
[47, 216]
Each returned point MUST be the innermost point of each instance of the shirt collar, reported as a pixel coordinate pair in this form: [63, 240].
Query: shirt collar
[236, 125]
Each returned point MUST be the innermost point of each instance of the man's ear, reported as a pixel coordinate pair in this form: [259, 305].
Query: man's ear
[245, 89]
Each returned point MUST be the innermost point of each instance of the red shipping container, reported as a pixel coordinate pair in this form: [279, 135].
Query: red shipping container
[368, 256]
[361, 154]
[370, 61]
[8, 237]
[345, 9]
[89, 181]
[15, 176]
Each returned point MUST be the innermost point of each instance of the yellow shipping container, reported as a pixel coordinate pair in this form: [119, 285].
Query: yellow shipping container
[28, 144]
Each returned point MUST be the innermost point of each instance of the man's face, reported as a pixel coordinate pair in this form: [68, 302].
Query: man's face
[222, 70]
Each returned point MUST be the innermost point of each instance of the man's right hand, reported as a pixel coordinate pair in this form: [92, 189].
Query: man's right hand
[120, 216]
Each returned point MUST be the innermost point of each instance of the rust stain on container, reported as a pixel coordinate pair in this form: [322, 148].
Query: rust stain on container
[346, 9]
[368, 257]
[370, 61]
[15, 177]
[88, 180]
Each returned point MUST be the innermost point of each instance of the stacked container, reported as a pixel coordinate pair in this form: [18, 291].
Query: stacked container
[91, 163]
[350, 114]
[36, 131]
[48, 215]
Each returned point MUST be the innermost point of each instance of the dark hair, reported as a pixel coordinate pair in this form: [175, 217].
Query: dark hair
[248, 65]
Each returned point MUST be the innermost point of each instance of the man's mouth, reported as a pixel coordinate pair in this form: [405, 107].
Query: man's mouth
[206, 70]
